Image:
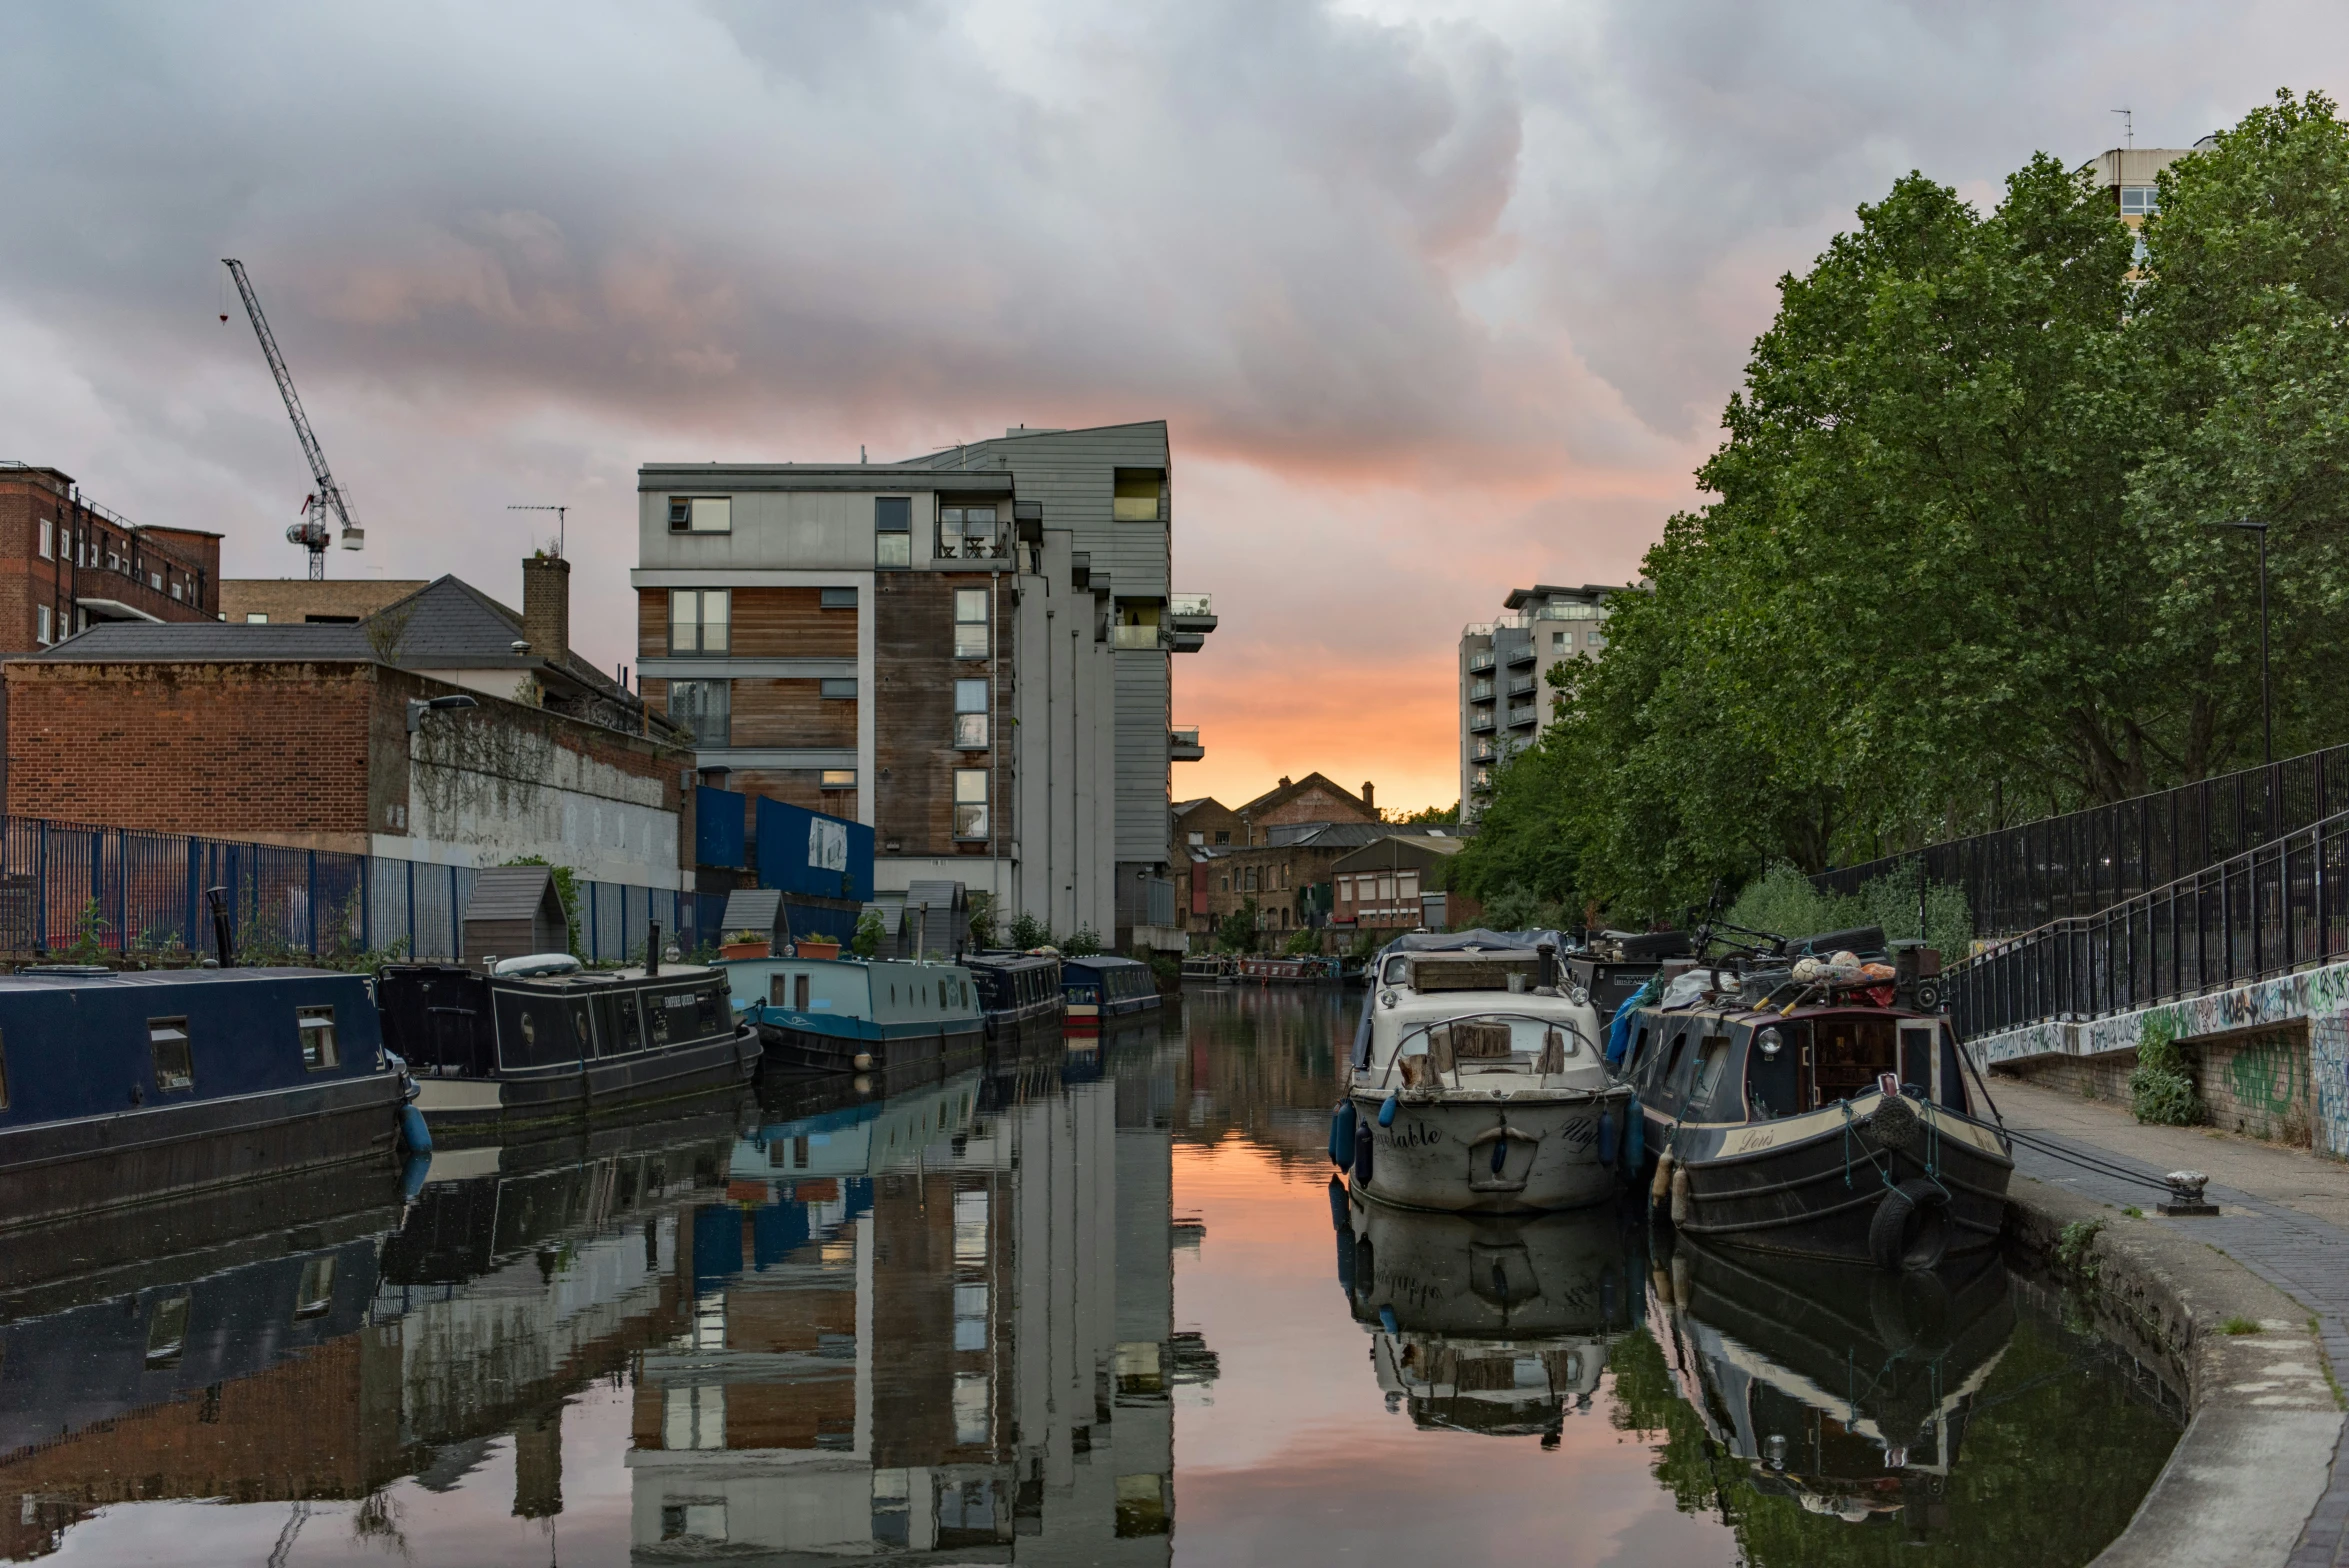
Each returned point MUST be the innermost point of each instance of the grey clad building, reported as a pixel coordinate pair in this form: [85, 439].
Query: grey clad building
[1504, 699]
[969, 651]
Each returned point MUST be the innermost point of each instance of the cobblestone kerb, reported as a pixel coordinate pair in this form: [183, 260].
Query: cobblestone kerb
[2252, 1473]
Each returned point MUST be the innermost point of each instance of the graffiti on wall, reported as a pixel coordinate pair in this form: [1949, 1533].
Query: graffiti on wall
[2320, 997]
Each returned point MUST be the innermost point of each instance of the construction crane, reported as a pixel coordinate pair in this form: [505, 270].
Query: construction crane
[313, 531]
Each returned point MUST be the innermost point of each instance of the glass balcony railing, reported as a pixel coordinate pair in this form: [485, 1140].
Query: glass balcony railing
[1480, 691]
[1135, 636]
[1480, 661]
[1519, 685]
[1479, 723]
[1522, 713]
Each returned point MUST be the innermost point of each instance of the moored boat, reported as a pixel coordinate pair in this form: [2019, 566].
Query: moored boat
[1211, 968]
[1477, 1084]
[1015, 987]
[847, 1015]
[1799, 1108]
[541, 1040]
[123, 1087]
[1103, 987]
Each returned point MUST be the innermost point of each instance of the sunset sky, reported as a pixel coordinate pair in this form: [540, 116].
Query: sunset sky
[1437, 299]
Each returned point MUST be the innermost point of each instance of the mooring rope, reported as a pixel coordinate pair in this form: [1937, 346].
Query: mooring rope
[2086, 1162]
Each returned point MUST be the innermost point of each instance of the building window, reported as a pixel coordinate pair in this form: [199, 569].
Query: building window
[703, 708]
[892, 532]
[970, 714]
[1136, 500]
[700, 619]
[256, 618]
[1226, 886]
[41, 625]
[839, 598]
[48, 540]
[2137, 201]
[970, 623]
[838, 778]
[155, 582]
[839, 688]
[1223, 836]
[316, 1026]
[970, 802]
[1248, 879]
[968, 533]
[1407, 886]
[1595, 637]
[175, 590]
[701, 514]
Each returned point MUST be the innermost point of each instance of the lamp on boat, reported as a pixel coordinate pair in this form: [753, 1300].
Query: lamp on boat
[1769, 1042]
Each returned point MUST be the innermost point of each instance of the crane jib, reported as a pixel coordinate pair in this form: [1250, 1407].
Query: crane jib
[329, 495]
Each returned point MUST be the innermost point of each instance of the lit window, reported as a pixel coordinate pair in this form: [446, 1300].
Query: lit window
[839, 778]
[48, 540]
[705, 709]
[701, 514]
[1136, 499]
[2137, 201]
[970, 713]
[839, 688]
[970, 802]
[970, 623]
[256, 618]
[700, 619]
[41, 625]
[892, 532]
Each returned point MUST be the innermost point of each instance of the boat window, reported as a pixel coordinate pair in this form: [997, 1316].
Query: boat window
[1712, 1056]
[799, 992]
[631, 1024]
[1667, 1060]
[167, 1042]
[316, 1292]
[581, 1027]
[1851, 1052]
[167, 1330]
[1397, 971]
[656, 1019]
[708, 1011]
[317, 1029]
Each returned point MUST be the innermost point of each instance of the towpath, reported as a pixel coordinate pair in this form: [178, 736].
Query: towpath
[2284, 1214]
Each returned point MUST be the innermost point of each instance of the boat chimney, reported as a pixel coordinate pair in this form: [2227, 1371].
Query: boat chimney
[652, 949]
[1548, 953]
[217, 897]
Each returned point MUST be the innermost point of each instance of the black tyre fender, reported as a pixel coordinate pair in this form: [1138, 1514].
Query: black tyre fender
[1910, 1229]
[1910, 1312]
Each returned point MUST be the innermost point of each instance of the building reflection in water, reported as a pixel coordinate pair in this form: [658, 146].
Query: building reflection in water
[937, 1323]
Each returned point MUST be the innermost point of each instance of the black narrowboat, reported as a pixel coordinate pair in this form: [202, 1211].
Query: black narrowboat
[542, 1040]
[1104, 987]
[1612, 965]
[128, 1087]
[1015, 987]
[1806, 1113]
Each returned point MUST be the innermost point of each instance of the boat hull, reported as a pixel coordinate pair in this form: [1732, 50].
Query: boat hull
[1544, 1276]
[92, 1165]
[1819, 1185]
[459, 1109]
[1438, 1153]
[794, 1050]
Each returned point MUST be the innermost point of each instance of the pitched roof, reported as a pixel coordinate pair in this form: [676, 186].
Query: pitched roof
[1291, 790]
[209, 642]
[512, 893]
[752, 909]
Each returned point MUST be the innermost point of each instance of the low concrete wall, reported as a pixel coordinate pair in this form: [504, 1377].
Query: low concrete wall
[2251, 1071]
[2257, 1453]
[2257, 1084]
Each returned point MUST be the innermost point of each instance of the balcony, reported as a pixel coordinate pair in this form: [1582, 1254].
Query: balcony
[1521, 653]
[1482, 751]
[1480, 661]
[1480, 723]
[1191, 612]
[1481, 781]
[1183, 745]
[1523, 713]
[1480, 691]
[1520, 685]
[1128, 638]
[1185, 642]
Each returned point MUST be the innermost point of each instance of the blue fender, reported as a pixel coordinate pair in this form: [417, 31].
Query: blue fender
[414, 1135]
[413, 1175]
[1362, 1143]
[1341, 1134]
[1386, 1110]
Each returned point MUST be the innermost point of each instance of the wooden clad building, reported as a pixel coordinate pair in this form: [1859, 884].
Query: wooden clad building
[515, 910]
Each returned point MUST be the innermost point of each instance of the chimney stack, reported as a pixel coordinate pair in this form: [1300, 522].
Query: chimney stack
[1367, 795]
[546, 607]
[1284, 783]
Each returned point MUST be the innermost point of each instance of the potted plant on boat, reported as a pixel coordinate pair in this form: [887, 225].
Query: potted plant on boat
[746, 944]
[819, 947]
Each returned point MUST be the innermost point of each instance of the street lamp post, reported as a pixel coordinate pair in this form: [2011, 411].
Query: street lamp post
[2267, 708]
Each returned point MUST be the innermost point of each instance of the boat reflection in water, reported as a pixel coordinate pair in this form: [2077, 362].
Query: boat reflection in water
[1845, 1389]
[1491, 1325]
[938, 1325]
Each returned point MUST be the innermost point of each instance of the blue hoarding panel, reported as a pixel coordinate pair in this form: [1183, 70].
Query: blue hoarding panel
[803, 851]
[718, 821]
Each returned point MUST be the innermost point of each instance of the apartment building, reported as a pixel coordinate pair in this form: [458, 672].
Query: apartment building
[969, 652]
[67, 563]
[1503, 698]
[2127, 175]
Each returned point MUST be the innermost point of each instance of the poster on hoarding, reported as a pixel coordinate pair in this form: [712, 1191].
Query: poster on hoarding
[827, 845]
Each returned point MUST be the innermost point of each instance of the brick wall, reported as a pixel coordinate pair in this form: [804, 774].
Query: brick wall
[2256, 1084]
[296, 599]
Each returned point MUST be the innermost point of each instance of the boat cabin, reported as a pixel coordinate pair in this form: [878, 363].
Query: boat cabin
[1739, 1064]
[1015, 985]
[449, 1021]
[1104, 986]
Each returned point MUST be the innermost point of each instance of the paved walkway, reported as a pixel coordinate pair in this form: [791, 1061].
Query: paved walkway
[2283, 1214]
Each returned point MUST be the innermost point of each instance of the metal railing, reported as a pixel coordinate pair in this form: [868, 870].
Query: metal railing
[1480, 661]
[2268, 911]
[2022, 877]
[123, 892]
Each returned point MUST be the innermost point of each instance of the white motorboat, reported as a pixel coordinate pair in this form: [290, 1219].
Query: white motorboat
[1478, 1084]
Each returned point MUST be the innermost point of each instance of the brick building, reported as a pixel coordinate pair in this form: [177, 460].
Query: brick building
[1400, 882]
[1291, 876]
[1207, 829]
[67, 562]
[277, 600]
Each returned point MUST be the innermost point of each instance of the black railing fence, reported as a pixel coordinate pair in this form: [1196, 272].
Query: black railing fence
[2265, 912]
[2056, 868]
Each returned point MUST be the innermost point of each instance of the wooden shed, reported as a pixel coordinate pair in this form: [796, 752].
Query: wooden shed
[515, 910]
[758, 909]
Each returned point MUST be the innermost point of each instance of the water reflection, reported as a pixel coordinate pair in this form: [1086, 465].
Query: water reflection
[977, 1313]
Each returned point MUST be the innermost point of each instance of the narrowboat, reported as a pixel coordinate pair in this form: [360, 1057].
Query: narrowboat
[1613, 965]
[126, 1087]
[1211, 968]
[1846, 1390]
[1015, 987]
[1491, 1326]
[1104, 987]
[1476, 1083]
[847, 1015]
[540, 1040]
[1800, 1109]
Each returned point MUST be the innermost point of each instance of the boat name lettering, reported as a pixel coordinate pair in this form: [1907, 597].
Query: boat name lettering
[1414, 1135]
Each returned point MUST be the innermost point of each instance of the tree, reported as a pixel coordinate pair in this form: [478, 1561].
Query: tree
[1302, 942]
[1236, 932]
[867, 940]
[1432, 816]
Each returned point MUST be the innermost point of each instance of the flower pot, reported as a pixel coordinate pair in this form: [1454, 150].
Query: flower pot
[811, 947]
[744, 950]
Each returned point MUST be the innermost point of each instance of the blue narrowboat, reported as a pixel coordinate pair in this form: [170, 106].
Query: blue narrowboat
[1105, 987]
[122, 1087]
[842, 1015]
[1014, 987]
[542, 1040]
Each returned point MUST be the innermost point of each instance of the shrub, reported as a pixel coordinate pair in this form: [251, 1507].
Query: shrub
[1304, 942]
[2161, 1091]
[1083, 942]
[2073, 1247]
[867, 940]
[1027, 931]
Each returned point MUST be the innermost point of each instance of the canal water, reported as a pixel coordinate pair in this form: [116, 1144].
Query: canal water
[1079, 1303]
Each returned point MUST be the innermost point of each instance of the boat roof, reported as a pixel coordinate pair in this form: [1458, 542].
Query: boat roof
[1103, 961]
[51, 977]
[1008, 960]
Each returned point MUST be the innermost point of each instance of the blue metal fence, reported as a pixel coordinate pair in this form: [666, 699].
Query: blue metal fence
[123, 891]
